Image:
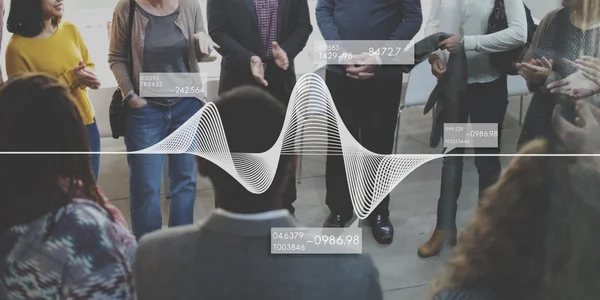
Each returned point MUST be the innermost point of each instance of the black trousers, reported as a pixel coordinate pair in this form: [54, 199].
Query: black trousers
[486, 103]
[369, 110]
[281, 85]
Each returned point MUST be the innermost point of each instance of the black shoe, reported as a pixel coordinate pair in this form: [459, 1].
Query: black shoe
[383, 230]
[336, 221]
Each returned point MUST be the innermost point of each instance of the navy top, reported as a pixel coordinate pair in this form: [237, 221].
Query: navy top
[368, 20]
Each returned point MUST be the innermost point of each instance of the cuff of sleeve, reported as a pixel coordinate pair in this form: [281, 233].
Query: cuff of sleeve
[470, 43]
[71, 79]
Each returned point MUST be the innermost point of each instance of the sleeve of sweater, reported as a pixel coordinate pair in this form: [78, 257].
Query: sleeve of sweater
[444, 16]
[512, 37]
[535, 42]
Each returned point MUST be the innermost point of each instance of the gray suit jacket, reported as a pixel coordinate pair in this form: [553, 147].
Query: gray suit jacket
[230, 259]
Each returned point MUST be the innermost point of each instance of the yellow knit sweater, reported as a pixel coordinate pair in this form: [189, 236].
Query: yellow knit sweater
[55, 56]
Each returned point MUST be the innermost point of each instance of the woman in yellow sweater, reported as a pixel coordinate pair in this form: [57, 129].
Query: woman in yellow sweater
[42, 43]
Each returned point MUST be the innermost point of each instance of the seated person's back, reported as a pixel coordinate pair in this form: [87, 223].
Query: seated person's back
[59, 238]
[229, 255]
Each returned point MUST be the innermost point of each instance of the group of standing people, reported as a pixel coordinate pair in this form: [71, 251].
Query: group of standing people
[259, 40]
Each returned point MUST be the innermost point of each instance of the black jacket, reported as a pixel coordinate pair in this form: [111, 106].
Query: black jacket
[449, 93]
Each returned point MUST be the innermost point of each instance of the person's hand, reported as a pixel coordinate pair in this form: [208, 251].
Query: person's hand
[86, 77]
[438, 66]
[205, 43]
[536, 71]
[452, 44]
[576, 86]
[364, 66]
[258, 70]
[584, 136]
[590, 67]
[281, 58]
[137, 102]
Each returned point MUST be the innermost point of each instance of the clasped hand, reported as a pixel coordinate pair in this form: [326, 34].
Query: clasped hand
[536, 71]
[360, 66]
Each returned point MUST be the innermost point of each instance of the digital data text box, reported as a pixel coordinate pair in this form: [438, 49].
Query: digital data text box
[296, 240]
[346, 52]
[168, 85]
[470, 135]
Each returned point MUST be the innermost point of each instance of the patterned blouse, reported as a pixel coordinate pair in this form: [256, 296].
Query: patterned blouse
[556, 38]
[76, 253]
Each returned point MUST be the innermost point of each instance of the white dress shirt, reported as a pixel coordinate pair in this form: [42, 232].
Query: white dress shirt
[471, 17]
[268, 215]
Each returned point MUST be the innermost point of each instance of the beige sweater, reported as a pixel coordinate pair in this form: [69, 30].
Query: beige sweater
[189, 21]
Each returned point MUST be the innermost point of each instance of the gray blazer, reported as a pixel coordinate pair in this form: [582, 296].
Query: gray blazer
[230, 259]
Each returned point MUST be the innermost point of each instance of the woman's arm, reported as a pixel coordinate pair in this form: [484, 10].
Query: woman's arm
[512, 37]
[444, 16]
[199, 27]
[539, 33]
[118, 48]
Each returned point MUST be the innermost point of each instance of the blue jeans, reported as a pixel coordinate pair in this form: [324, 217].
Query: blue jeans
[94, 137]
[145, 127]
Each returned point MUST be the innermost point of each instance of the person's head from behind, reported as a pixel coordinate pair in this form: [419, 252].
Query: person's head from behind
[37, 114]
[533, 235]
[28, 17]
[253, 121]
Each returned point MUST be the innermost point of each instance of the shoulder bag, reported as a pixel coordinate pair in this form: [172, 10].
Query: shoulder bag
[506, 61]
[118, 109]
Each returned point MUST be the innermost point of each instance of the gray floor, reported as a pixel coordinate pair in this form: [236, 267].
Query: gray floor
[403, 274]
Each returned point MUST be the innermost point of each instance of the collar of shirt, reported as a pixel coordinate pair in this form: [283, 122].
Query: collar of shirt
[268, 215]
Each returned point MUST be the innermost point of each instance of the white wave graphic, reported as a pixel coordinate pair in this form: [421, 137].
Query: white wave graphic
[311, 117]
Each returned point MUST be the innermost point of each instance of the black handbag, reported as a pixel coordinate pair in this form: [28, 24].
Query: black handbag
[506, 62]
[118, 109]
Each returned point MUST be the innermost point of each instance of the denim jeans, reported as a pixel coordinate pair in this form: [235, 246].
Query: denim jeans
[145, 127]
[94, 137]
[486, 103]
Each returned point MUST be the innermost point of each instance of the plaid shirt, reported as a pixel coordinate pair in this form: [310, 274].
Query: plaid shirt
[266, 12]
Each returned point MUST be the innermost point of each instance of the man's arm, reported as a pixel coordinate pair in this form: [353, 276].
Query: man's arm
[297, 40]
[512, 37]
[412, 18]
[217, 29]
[324, 14]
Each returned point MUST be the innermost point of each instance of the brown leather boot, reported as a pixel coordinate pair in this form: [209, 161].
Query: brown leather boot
[438, 239]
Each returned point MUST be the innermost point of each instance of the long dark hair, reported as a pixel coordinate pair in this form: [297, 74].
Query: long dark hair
[37, 114]
[26, 18]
